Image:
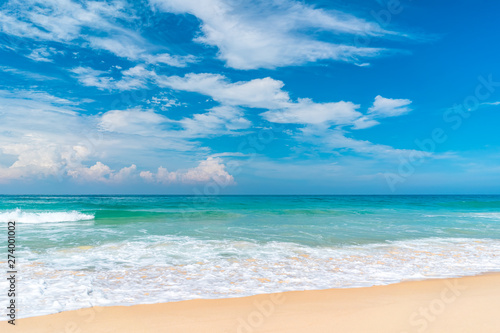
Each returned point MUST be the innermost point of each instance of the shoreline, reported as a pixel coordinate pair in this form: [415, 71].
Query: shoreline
[465, 304]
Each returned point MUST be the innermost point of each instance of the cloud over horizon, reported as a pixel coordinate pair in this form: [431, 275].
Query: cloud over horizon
[163, 94]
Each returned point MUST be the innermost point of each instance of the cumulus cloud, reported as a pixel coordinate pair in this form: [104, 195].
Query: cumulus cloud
[100, 172]
[211, 169]
[45, 136]
[30, 132]
[54, 140]
[269, 34]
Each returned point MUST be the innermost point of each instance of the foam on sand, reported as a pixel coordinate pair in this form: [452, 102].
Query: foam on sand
[172, 268]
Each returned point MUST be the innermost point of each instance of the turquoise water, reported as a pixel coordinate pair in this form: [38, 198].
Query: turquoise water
[79, 251]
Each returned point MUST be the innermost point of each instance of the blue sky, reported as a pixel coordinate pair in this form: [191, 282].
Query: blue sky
[238, 97]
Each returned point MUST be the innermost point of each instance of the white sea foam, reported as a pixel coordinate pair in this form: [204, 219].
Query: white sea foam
[22, 216]
[485, 215]
[173, 268]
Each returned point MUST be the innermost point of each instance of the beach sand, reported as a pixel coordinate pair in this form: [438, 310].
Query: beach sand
[469, 304]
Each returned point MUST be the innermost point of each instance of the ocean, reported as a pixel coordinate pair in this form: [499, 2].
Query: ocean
[79, 251]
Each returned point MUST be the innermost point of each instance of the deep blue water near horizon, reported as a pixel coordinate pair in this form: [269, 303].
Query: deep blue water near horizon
[77, 251]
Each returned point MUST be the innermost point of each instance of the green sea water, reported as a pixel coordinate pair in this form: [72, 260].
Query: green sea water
[79, 251]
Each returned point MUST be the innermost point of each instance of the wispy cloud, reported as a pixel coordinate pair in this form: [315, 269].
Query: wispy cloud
[269, 34]
[491, 103]
[86, 24]
[335, 139]
[132, 78]
[43, 54]
[25, 74]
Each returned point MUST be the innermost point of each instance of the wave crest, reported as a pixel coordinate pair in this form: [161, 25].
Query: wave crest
[21, 216]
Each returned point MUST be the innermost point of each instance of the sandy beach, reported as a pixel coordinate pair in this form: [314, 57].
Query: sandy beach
[468, 304]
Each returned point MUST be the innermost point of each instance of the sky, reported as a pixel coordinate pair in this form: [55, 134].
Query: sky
[211, 97]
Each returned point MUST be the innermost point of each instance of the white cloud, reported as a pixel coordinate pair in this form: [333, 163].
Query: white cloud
[45, 136]
[267, 93]
[211, 169]
[102, 173]
[25, 74]
[87, 24]
[231, 154]
[220, 120]
[257, 93]
[136, 49]
[263, 93]
[491, 103]
[93, 78]
[305, 111]
[217, 121]
[133, 121]
[388, 107]
[268, 34]
[43, 54]
[163, 102]
[336, 139]
[35, 132]
[98, 172]
[172, 60]
[133, 78]
[364, 122]
[382, 108]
